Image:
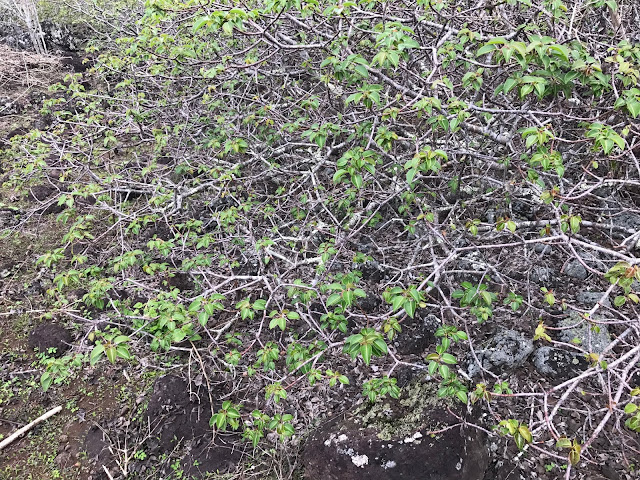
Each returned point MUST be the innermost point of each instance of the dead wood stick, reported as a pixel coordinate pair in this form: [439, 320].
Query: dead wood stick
[106, 470]
[7, 441]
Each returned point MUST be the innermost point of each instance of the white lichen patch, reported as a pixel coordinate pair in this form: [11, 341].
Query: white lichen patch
[360, 460]
[415, 438]
[333, 439]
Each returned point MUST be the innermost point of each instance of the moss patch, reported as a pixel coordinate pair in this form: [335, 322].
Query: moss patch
[405, 416]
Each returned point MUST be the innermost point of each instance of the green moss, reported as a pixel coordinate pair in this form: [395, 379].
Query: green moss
[406, 415]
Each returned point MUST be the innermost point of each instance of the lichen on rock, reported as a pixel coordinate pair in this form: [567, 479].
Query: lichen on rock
[396, 439]
[406, 416]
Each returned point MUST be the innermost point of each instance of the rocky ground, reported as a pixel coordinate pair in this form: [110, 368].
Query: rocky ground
[149, 418]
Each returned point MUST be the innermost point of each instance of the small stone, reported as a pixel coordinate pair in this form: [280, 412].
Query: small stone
[370, 303]
[589, 299]
[372, 271]
[543, 249]
[505, 351]
[627, 220]
[587, 335]
[541, 275]
[558, 363]
[575, 269]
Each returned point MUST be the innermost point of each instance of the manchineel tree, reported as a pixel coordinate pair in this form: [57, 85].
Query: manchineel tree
[282, 185]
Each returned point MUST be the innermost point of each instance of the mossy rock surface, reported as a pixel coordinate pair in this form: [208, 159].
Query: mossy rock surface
[417, 436]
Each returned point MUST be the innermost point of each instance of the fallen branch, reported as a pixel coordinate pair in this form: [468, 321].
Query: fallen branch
[107, 472]
[7, 441]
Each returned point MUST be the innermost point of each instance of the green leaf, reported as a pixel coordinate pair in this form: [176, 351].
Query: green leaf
[123, 352]
[448, 358]
[574, 455]
[362, 70]
[396, 302]
[97, 351]
[394, 58]
[280, 322]
[563, 442]
[634, 108]
[540, 87]
[415, 294]
[380, 345]
[354, 97]
[210, 308]
[560, 51]
[365, 351]
[509, 84]
[111, 354]
[178, 335]
[221, 421]
[630, 408]
[524, 431]
[619, 301]
[338, 175]
[574, 222]
[120, 339]
[195, 305]
[200, 22]
[526, 90]
[227, 27]
[433, 366]
[45, 381]
[348, 297]
[357, 181]
[334, 299]
[410, 307]
[618, 140]
[485, 49]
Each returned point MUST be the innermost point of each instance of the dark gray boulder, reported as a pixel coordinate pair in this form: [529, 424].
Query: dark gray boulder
[589, 299]
[505, 351]
[558, 364]
[414, 437]
[590, 335]
[575, 269]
